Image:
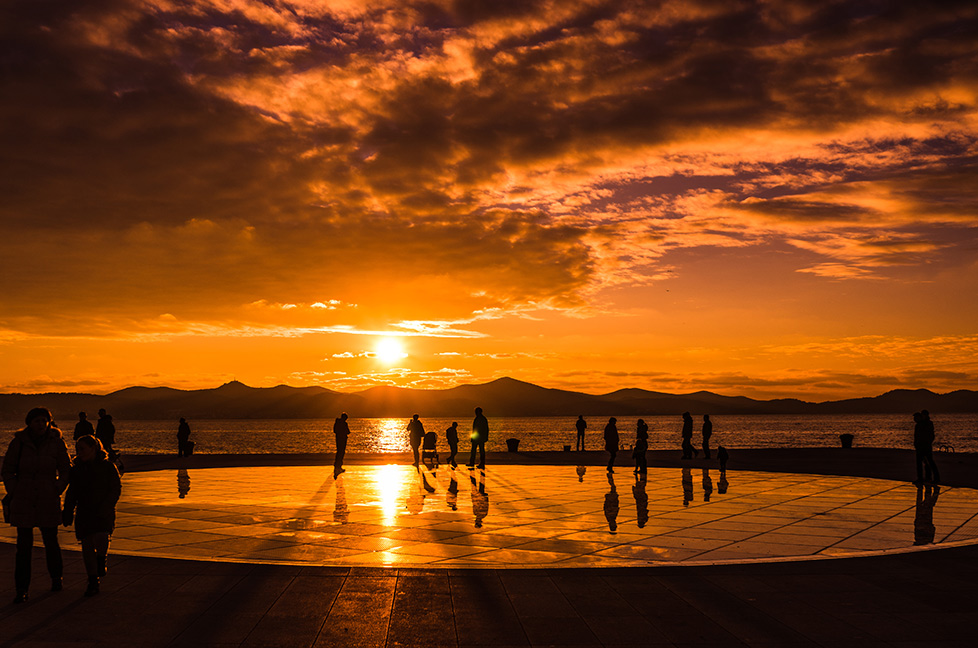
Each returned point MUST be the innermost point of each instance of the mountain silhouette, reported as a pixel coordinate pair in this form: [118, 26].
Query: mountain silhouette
[502, 397]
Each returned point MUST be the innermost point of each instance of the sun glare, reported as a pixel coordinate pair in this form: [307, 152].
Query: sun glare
[389, 350]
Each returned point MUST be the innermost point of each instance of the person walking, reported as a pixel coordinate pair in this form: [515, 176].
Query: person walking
[183, 438]
[480, 434]
[451, 435]
[93, 491]
[641, 446]
[83, 427]
[581, 426]
[923, 445]
[707, 433]
[415, 433]
[35, 474]
[687, 436]
[341, 430]
[611, 442]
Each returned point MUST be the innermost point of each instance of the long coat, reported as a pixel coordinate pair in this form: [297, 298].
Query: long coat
[36, 473]
[611, 437]
[94, 488]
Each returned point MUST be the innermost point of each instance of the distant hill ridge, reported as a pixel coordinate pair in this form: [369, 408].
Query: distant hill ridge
[502, 397]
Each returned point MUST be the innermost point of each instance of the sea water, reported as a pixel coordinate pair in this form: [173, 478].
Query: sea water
[259, 436]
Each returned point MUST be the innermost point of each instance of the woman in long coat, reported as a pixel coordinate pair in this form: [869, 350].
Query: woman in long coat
[35, 473]
[93, 490]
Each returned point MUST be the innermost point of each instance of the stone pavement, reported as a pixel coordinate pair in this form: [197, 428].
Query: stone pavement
[914, 600]
[920, 598]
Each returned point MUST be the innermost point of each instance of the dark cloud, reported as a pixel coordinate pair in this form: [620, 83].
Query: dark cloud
[186, 156]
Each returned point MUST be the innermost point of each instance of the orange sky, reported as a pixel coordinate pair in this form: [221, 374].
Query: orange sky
[755, 198]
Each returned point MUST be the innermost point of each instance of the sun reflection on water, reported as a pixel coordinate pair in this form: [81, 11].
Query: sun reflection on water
[390, 435]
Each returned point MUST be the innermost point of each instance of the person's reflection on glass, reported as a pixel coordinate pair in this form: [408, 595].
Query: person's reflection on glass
[183, 482]
[451, 495]
[480, 499]
[341, 513]
[641, 500]
[923, 521]
[427, 485]
[723, 483]
[611, 505]
[415, 496]
[687, 486]
[707, 485]
[580, 473]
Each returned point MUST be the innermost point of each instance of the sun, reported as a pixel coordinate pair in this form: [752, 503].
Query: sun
[389, 350]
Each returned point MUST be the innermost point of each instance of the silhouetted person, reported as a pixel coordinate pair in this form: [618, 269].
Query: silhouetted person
[183, 438]
[183, 483]
[580, 473]
[451, 435]
[480, 499]
[105, 432]
[581, 426]
[611, 442]
[341, 430]
[687, 486]
[723, 483]
[923, 445]
[611, 505]
[923, 521]
[641, 500]
[707, 485]
[480, 434]
[415, 430]
[641, 446]
[687, 434]
[83, 427]
[722, 456]
[94, 488]
[35, 473]
[707, 433]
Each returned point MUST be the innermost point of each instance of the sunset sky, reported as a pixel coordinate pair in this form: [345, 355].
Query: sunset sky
[756, 198]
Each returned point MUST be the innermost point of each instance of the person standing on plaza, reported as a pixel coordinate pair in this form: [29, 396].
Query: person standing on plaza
[451, 435]
[611, 442]
[183, 438]
[707, 433]
[923, 445]
[105, 432]
[35, 474]
[341, 430]
[480, 434]
[94, 488]
[687, 436]
[83, 427]
[581, 426]
[641, 446]
[415, 431]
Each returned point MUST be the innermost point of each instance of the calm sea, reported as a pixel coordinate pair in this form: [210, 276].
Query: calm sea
[255, 436]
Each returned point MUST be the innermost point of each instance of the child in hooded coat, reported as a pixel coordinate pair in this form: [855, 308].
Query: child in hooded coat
[94, 488]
